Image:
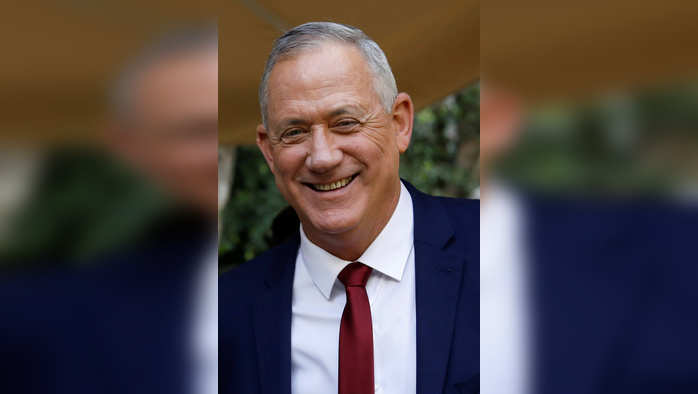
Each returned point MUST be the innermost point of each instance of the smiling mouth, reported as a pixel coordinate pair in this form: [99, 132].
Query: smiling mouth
[328, 187]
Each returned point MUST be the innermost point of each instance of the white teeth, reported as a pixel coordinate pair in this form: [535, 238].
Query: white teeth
[334, 185]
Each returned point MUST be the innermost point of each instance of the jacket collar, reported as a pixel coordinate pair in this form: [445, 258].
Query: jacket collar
[272, 321]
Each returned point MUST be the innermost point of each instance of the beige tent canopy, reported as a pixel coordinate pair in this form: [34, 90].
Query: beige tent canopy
[551, 50]
[59, 56]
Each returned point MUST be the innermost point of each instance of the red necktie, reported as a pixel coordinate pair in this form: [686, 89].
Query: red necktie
[356, 333]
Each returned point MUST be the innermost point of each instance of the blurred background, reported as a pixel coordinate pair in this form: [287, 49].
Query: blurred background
[108, 198]
[588, 197]
[635, 142]
[97, 150]
[606, 95]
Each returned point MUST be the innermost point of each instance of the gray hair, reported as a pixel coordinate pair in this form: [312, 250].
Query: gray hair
[170, 45]
[312, 34]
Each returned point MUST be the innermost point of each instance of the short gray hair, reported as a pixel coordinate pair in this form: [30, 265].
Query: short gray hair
[312, 34]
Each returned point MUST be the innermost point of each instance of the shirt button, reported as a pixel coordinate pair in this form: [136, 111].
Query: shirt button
[378, 388]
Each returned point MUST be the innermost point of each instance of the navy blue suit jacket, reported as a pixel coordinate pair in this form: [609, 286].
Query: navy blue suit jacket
[255, 307]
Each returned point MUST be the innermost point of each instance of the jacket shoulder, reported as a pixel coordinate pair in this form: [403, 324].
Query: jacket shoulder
[461, 209]
[464, 217]
[247, 280]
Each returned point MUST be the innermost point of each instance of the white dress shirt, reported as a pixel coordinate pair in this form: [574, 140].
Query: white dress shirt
[319, 299]
[504, 348]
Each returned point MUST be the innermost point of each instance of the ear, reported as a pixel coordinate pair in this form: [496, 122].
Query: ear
[264, 145]
[403, 119]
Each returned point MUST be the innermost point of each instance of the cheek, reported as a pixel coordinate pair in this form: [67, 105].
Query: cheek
[382, 140]
[288, 161]
[378, 146]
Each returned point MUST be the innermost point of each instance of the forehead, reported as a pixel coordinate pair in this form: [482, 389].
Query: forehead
[320, 77]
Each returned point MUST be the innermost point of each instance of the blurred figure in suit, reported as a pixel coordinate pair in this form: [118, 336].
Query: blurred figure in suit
[140, 317]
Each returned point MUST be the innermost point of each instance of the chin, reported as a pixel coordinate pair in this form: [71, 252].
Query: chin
[333, 224]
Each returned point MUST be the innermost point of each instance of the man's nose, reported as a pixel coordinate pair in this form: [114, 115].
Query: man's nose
[324, 155]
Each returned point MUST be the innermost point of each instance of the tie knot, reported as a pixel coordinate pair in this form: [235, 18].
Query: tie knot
[354, 274]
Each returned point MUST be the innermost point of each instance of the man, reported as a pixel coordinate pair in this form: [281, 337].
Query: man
[377, 291]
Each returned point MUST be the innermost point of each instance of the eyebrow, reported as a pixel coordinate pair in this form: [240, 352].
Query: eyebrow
[340, 111]
[350, 109]
[291, 122]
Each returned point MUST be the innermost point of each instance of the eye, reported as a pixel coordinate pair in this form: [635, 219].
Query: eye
[292, 135]
[345, 123]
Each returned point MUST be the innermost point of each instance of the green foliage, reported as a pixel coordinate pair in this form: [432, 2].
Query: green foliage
[253, 204]
[442, 160]
[84, 204]
[443, 156]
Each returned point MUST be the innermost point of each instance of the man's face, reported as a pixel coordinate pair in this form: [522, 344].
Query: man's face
[333, 149]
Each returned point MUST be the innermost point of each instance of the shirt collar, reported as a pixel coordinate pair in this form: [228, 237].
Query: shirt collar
[387, 254]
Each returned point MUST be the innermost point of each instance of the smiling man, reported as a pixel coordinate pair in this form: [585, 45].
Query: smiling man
[378, 291]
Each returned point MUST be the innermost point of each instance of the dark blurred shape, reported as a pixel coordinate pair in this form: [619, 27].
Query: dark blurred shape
[284, 226]
[123, 324]
[613, 294]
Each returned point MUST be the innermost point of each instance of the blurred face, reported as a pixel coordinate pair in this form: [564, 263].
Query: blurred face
[173, 136]
[333, 149]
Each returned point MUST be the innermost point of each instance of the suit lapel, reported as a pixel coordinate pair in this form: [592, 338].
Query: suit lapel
[438, 285]
[272, 320]
[438, 280]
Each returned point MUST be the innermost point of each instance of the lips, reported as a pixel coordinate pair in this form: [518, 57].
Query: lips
[335, 185]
